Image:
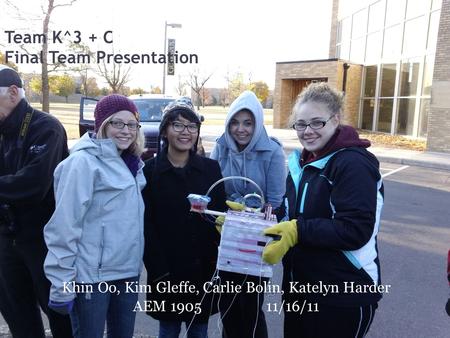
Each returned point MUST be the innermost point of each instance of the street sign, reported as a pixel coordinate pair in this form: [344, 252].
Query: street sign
[170, 53]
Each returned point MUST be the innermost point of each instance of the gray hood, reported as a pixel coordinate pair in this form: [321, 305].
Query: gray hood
[247, 100]
[95, 147]
[250, 162]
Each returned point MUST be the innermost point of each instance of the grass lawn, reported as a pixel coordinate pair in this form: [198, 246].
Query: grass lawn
[72, 131]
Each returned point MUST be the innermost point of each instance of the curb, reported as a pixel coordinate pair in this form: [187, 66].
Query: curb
[414, 162]
[427, 162]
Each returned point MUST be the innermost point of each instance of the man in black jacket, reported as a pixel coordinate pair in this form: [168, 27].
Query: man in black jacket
[32, 143]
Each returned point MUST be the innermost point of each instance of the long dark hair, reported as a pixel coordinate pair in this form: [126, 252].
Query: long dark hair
[170, 114]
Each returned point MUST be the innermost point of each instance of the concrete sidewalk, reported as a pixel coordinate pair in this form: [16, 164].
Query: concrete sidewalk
[384, 154]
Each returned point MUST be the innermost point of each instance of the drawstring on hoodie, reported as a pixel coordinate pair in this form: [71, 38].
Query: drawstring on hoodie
[239, 173]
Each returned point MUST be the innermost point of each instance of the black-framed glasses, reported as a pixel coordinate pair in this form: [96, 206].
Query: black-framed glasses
[315, 124]
[179, 127]
[121, 125]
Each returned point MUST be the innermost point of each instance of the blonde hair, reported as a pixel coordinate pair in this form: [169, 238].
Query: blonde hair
[319, 92]
[137, 147]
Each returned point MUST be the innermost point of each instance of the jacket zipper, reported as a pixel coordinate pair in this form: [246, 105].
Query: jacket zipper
[102, 244]
[302, 201]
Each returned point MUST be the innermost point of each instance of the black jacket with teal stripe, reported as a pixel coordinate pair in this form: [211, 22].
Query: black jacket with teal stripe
[337, 201]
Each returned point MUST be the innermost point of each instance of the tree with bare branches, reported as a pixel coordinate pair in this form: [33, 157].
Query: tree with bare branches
[45, 69]
[45, 27]
[116, 75]
[83, 69]
[197, 81]
[181, 87]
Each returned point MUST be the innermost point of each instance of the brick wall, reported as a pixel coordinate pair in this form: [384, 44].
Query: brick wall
[439, 117]
[332, 70]
[352, 94]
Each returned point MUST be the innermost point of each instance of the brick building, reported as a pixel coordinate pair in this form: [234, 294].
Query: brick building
[391, 58]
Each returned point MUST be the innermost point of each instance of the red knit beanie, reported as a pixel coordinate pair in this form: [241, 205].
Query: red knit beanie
[110, 105]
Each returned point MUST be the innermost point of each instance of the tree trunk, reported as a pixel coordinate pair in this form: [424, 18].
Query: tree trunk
[45, 84]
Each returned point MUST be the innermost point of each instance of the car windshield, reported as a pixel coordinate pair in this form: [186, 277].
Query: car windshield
[151, 109]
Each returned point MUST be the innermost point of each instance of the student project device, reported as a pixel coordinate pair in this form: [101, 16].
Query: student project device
[242, 237]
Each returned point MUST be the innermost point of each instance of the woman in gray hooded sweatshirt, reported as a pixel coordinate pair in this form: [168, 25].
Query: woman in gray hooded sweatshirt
[246, 150]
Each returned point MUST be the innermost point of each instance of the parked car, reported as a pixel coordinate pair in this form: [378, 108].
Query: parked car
[150, 106]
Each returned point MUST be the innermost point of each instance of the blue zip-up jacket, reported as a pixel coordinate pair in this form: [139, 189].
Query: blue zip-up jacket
[337, 201]
[97, 230]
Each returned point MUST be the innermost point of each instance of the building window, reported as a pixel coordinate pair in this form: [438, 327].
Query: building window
[344, 52]
[388, 79]
[376, 16]
[373, 51]
[367, 114]
[409, 75]
[339, 32]
[417, 7]
[395, 12]
[370, 81]
[436, 4]
[385, 115]
[433, 31]
[343, 38]
[357, 50]
[414, 40]
[359, 27]
[395, 40]
[346, 29]
[405, 117]
[392, 44]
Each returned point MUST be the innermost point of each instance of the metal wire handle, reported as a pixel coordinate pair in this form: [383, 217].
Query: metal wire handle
[240, 178]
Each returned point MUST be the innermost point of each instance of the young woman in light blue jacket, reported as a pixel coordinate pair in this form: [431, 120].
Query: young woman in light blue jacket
[246, 150]
[95, 236]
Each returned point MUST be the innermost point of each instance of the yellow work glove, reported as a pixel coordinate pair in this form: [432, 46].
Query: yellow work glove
[221, 219]
[275, 250]
[219, 222]
[235, 206]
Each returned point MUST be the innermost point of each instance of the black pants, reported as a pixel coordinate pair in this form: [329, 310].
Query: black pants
[242, 313]
[327, 321]
[24, 287]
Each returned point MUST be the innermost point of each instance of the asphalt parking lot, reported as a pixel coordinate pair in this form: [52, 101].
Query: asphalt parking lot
[414, 239]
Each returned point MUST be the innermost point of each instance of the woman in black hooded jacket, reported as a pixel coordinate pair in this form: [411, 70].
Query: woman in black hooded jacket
[333, 202]
[180, 246]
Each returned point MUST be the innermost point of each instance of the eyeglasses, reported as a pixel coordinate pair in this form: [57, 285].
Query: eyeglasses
[314, 125]
[121, 125]
[179, 127]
